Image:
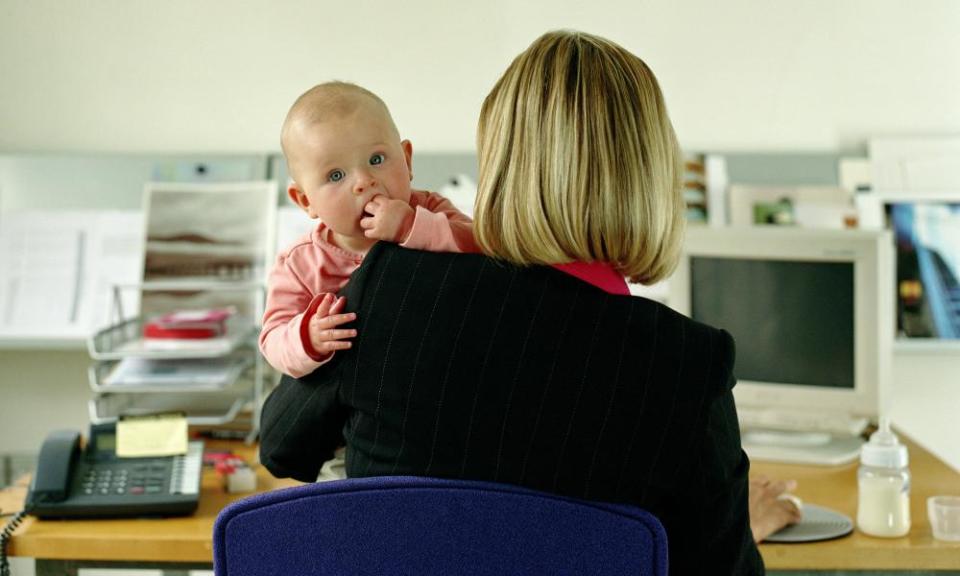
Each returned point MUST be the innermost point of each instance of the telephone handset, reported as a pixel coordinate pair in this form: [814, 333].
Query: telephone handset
[58, 457]
[93, 482]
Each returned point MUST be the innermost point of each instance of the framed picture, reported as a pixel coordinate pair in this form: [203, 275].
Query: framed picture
[202, 238]
[926, 228]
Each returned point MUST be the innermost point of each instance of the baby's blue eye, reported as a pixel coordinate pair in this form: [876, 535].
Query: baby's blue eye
[377, 159]
[336, 176]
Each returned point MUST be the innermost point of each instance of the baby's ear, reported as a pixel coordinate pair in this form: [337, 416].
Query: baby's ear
[298, 197]
[408, 155]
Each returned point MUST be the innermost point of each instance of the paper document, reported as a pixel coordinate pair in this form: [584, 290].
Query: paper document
[42, 263]
[153, 435]
[191, 372]
[57, 268]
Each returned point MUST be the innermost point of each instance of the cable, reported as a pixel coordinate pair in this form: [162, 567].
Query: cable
[5, 538]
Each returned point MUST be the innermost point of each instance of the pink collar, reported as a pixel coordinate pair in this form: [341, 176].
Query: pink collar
[600, 274]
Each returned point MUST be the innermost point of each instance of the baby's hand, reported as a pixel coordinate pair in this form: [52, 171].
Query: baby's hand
[325, 337]
[389, 219]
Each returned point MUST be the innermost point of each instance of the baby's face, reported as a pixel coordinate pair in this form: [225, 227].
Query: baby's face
[341, 164]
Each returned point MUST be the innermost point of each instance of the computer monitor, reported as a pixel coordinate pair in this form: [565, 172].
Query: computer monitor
[811, 313]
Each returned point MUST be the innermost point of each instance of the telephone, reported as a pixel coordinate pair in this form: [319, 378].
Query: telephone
[70, 482]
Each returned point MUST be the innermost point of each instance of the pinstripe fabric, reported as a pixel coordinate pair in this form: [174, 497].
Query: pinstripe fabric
[465, 367]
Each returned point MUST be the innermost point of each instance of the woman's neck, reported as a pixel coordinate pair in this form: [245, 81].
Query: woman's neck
[600, 274]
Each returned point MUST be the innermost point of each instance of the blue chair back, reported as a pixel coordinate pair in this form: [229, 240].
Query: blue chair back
[428, 526]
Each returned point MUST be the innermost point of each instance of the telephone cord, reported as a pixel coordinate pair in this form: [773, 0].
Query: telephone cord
[5, 538]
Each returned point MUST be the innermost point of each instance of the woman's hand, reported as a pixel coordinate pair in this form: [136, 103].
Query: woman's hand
[772, 506]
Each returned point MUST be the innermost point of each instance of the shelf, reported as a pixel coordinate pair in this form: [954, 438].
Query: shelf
[125, 340]
[145, 375]
[201, 408]
[46, 344]
[209, 379]
[194, 285]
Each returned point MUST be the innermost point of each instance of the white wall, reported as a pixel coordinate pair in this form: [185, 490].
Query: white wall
[41, 391]
[218, 75]
[926, 399]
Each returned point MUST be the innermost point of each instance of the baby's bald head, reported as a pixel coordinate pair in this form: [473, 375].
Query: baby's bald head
[323, 102]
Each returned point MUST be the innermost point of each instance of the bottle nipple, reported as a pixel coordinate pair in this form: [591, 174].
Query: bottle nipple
[884, 448]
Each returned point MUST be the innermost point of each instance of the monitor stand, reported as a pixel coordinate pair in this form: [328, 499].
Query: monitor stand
[818, 448]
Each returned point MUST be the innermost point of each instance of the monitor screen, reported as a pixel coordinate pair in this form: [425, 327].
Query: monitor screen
[811, 311]
[793, 320]
[928, 268]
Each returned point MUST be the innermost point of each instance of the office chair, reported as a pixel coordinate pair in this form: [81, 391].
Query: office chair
[427, 526]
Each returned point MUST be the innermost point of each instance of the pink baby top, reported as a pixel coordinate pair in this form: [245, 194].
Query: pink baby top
[313, 266]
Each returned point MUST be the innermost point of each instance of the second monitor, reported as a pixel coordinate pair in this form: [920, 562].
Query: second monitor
[811, 314]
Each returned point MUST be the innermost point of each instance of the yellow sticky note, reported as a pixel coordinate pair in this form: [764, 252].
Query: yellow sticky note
[154, 435]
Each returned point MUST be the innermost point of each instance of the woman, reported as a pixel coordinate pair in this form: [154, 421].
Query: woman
[533, 365]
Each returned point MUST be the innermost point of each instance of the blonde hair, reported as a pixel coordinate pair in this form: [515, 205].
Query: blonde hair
[579, 161]
[324, 101]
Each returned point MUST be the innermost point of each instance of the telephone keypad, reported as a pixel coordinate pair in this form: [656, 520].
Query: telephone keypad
[138, 479]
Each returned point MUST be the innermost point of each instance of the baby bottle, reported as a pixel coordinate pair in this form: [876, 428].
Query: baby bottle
[883, 481]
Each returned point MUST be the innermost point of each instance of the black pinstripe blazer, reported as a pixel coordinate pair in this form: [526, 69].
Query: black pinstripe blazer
[465, 367]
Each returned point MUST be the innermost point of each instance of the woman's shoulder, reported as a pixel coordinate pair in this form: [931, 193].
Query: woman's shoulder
[553, 290]
[696, 342]
[689, 327]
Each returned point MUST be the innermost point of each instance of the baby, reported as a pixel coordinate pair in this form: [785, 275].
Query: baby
[352, 172]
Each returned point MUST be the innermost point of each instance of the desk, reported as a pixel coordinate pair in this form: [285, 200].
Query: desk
[187, 541]
[836, 488]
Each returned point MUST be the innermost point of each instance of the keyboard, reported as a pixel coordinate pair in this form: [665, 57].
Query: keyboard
[804, 421]
[818, 448]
